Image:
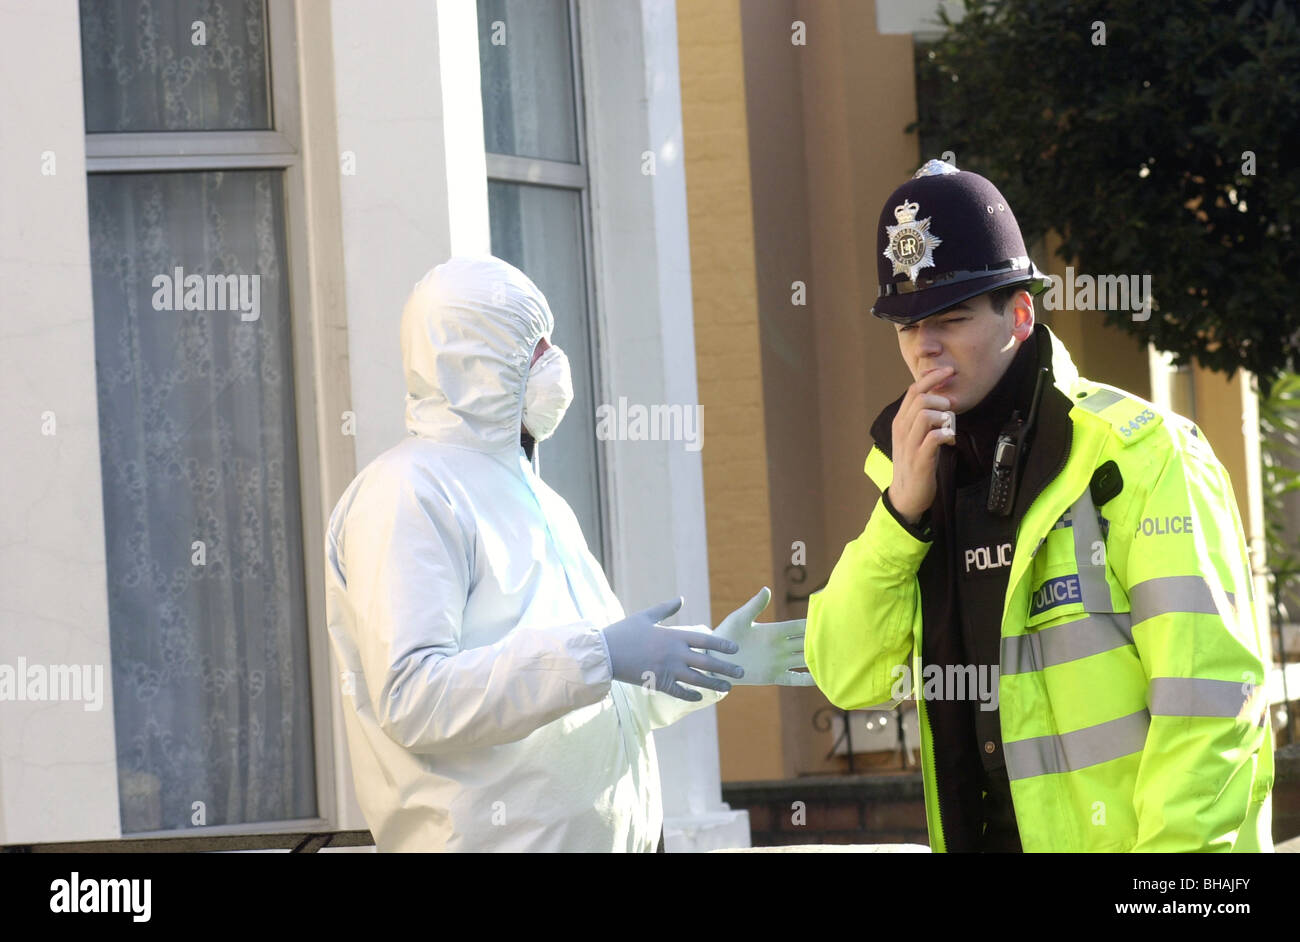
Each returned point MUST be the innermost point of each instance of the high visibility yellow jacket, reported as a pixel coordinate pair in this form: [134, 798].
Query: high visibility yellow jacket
[1132, 684]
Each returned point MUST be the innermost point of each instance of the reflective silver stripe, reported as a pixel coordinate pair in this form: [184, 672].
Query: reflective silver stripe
[1101, 399]
[1172, 594]
[1068, 752]
[1069, 642]
[1192, 696]
[1087, 534]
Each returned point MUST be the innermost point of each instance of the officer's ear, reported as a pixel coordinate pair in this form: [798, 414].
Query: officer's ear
[1022, 315]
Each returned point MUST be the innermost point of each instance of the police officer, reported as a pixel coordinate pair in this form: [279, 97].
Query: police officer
[1055, 569]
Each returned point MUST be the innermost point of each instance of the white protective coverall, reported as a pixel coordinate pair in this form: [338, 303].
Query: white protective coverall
[465, 610]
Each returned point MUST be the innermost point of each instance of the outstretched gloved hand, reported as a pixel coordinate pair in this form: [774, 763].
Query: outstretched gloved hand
[641, 650]
[771, 652]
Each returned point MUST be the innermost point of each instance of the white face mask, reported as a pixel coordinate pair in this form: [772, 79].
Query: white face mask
[547, 394]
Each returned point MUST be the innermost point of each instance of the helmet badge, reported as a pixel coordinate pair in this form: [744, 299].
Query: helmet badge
[911, 243]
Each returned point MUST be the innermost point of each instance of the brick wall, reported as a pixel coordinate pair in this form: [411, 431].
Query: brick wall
[890, 809]
[848, 809]
[1286, 793]
[724, 295]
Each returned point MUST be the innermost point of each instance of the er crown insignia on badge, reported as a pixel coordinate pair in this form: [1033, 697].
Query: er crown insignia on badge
[911, 243]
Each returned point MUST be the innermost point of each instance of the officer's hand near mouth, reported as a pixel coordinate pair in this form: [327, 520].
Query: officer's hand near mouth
[922, 425]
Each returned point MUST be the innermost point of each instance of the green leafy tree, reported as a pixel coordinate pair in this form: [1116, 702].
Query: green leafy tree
[1279, 421]
[1156, 138]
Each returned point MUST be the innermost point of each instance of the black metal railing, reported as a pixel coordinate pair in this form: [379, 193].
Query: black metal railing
[295, 842]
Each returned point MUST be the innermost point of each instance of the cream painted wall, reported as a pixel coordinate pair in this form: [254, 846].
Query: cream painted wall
[825, 147]
[858, 96]
[1220, 410]
[783, 253]
[725, 301]
[58, 761]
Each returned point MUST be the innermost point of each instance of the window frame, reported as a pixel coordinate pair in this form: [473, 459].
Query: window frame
[535, 171]
[277, 149]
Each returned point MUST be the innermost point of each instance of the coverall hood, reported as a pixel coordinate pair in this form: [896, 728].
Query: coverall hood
[468, 333]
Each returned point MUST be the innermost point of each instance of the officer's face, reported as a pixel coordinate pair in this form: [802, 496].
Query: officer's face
[974, 340]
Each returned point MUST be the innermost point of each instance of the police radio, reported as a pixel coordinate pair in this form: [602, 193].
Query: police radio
[1002, 488]
[1013, 442]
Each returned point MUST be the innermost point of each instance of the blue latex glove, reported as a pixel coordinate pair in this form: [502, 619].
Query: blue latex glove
[771, 652]
[646, 653]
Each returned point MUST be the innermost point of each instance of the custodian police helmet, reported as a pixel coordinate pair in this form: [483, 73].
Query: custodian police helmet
[944, 236]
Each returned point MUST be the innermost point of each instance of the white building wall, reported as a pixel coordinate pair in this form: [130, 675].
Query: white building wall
[406, 87]
[406, 84]
[58, 768]
[643, 292]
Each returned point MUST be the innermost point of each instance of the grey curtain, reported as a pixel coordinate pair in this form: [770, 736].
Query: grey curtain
[538, 229]
[198, 444]
[144, 68]
[527, 81]
[530, 110]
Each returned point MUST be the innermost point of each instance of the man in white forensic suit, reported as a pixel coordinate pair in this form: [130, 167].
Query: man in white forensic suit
[497, 696]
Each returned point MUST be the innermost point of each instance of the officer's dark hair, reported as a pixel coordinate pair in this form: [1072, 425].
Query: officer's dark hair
[1000, 297]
